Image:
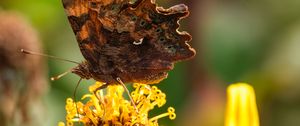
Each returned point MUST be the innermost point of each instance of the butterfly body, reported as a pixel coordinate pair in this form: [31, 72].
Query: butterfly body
[136, 42]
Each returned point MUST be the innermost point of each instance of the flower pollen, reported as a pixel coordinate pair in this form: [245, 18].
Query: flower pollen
[105, 108]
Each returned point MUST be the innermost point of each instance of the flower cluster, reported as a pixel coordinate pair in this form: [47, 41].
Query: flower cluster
[109, 107]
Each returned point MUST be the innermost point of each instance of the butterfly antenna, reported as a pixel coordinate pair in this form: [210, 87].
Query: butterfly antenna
[126, 89]
[59, 76]
[45, 55]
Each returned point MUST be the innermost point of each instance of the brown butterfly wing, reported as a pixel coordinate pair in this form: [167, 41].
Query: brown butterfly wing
[85, 27]
[137, 42]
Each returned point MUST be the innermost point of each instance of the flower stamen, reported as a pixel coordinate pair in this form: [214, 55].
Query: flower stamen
[110, 108]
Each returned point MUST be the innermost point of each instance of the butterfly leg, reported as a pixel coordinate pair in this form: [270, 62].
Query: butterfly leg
[99, 96]
[100, 88]
[127, 91]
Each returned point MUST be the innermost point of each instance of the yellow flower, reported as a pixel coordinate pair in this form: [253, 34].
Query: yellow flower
[241, 107]
[111, 108]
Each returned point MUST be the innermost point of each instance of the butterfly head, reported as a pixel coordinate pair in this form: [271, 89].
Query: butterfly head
[82, 70]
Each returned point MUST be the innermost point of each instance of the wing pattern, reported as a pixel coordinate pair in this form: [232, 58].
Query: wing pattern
[136, 41]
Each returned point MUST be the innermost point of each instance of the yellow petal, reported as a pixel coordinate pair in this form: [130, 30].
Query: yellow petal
[241, 109]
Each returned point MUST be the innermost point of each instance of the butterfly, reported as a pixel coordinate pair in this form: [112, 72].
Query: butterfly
[137, 42]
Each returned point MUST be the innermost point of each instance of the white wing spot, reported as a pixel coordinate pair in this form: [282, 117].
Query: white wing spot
[139, 42]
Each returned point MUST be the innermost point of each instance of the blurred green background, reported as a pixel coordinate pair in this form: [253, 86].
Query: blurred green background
[253, 41]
